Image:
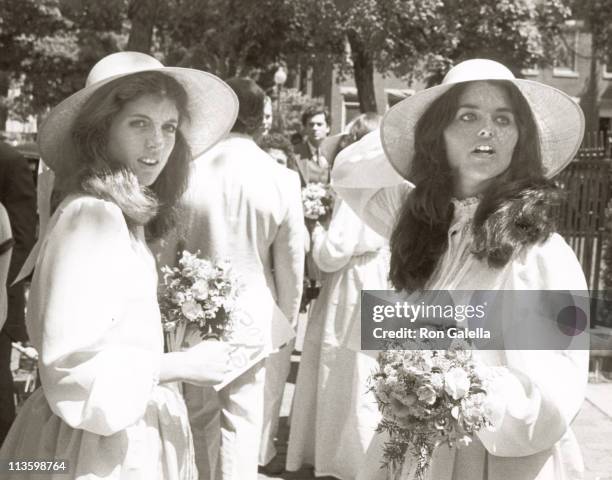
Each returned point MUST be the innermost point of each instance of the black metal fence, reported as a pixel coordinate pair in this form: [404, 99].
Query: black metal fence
[582, 214]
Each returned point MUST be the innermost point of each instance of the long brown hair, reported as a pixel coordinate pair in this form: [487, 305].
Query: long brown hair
[513, 211]
[94, 172]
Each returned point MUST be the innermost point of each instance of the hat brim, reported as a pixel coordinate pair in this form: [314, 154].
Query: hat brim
[559, 120]
[330, 146]
[212, 107]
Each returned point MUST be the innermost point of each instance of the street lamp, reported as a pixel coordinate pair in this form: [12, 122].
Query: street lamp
[280, 77]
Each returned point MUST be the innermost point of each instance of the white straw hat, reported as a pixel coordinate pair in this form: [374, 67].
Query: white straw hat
[212, 105]
[559, 119]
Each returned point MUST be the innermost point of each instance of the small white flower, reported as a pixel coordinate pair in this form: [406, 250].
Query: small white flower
[200, 290]
[179, 298]
[437, 381]
[426, 394]
[457, 382]
[192, 310]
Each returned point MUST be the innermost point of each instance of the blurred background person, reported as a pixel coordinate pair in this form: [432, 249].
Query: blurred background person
[279, 148]
[242, 205]
[278, 364]
[311, 163]
[268, 116]
[333, 417]
[6, 249]
[18, 195]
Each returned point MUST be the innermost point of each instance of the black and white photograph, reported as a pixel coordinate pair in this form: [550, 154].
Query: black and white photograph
[306, 239]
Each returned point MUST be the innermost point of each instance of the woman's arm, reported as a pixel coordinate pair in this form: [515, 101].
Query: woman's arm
[539, 392]
[97, 374]
[333, 248]
[356, 168]
[204, 364]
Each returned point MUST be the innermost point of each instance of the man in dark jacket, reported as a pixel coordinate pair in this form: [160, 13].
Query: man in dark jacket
[310, 162]
[18, 195]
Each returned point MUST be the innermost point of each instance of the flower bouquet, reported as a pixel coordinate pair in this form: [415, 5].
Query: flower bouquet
[317, 201]
[428, 398]
[201, 293]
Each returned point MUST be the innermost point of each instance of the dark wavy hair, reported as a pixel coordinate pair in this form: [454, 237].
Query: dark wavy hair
[513, 211]
[251, 99]
[280, 142]
[94, 172]
[316, 110]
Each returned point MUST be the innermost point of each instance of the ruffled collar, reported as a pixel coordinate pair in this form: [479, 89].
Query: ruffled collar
[465, 208]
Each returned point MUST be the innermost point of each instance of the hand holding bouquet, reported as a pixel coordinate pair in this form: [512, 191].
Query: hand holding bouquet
[198, 292]
[427, 398]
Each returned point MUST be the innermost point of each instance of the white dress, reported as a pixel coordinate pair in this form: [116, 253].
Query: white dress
[333, 417]
[94, 319]
[540, 392]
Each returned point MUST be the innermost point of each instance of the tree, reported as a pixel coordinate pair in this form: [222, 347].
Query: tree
[597, 18]
[227, 37]
[143, 15]
[418, 39]
[52, 44]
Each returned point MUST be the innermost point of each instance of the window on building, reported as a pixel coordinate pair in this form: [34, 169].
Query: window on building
[531, 71]
[607, 67]
[564, 61]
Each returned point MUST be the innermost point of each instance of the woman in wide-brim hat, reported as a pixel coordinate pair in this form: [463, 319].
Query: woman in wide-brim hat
[120, 148]
[458, 179]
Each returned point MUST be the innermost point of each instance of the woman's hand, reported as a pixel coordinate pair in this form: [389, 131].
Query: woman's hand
[204, 364]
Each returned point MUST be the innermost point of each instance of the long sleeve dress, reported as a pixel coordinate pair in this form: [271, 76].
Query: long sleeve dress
[538, 393]
[333, 417]
[94, 319]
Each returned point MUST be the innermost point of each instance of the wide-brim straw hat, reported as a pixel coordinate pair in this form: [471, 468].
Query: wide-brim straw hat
[211, 103]
[558, 117]
[331, 145]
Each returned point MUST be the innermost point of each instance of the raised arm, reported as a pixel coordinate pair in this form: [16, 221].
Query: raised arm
[356, 169]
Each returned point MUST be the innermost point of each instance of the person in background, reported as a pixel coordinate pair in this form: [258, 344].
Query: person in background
[120, 148]
[268, 117]
[333, 416]
[18, 195]
[278, 364]
[279, 148]
[242, 205]
[313, 166]
[6, 249]
[311, 163]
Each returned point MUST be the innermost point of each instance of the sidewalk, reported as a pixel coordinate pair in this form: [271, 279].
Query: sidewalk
[592, 426]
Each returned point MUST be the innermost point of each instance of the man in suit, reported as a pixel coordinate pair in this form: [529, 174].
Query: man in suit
[243, 206]
[311, 163]
[18, 195]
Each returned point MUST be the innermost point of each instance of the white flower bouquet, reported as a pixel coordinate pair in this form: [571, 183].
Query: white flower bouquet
[198, 292]
[428, 398]
[316, 200]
